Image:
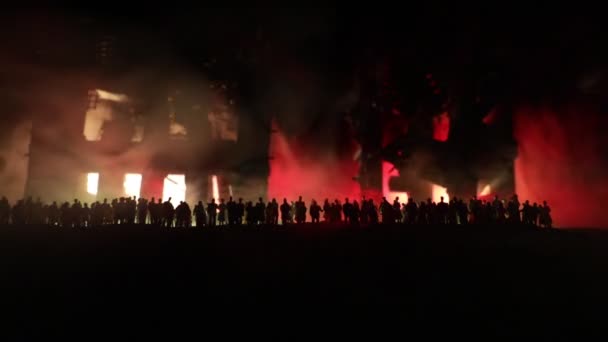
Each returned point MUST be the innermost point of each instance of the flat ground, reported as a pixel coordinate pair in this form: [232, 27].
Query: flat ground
[142, 281]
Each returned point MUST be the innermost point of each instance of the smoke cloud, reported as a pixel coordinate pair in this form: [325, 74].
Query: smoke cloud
[562, 159]
[295, 172]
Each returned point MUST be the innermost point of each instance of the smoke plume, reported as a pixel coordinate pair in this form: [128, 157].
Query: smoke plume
[563, 159]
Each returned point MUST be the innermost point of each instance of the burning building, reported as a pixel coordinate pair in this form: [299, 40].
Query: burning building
[118, 150]
[120, 113]
[429, 136]
[109, 130]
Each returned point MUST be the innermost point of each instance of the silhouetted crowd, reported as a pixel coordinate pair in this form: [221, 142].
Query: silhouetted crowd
[126, 210]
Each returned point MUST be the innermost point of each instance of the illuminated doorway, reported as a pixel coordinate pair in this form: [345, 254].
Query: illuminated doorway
[132, 184]
[174, 187]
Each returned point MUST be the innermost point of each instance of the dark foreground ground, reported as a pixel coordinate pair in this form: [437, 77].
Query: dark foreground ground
[132, 282]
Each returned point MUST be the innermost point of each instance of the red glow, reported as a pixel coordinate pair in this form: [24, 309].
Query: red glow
[490, 118]
[441, 127]
[560, 160]
[295, 174]
[395, 126]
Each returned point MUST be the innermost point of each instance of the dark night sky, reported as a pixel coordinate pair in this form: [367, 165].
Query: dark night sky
[541, 49]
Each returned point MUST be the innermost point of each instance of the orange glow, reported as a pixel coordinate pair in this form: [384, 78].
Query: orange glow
[100, 110]
[438, 192]
[132, 184]
[215, 187]
[389, 172]
[106, 95]
[92, 183]
[485, 191]
[174, 187]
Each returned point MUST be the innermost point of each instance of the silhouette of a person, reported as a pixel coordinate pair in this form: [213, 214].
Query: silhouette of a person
[327, 211]
[545, 216]
[212, 212]
[221, 216]
[411, 211]
[168, 213]
[315, 211]
[442, 211]
[275, 212]
[386, 210]
[260, 211]
[397, 210]
[200, 216]
[142, 211]
[300, 211]
[285, 209]
[240, 211]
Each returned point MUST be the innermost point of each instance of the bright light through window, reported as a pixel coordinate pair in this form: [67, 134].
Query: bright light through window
[102, 105]
[438, 192]
[388, 172]
[92, 183]
[174, 187]
[132, 184]
[215, 187]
